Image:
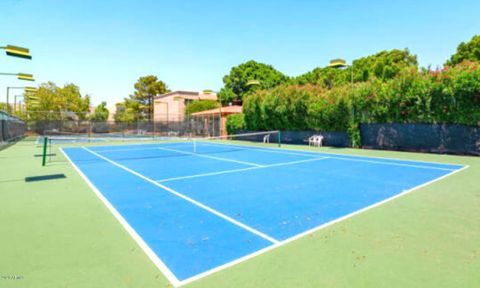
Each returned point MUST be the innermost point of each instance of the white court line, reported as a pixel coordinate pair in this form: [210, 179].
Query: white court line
[240, 170]
[315, 229]
[343, 157]
[129, 149]
[192, 201]
[138, 149]
[393, 164]
[211, 157]
[264, 250]
[152, 255]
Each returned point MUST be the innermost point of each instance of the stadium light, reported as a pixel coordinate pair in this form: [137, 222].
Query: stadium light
[338, 63]
[26, 77]
[16, 51]
[257, 82]
[341, 63]
[253, 82]
[20, 76]
[30, 89]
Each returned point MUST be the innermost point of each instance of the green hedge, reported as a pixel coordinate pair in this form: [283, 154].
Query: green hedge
[202, 105]
[235, 122]
[451, 96]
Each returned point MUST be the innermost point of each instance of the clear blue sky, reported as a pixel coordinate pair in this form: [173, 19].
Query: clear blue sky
[104, 46]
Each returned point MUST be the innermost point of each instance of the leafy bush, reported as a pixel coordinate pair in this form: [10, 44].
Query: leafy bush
[450, 96]
[198, 106]
[296, 108]
[101, 113]
[235, 122]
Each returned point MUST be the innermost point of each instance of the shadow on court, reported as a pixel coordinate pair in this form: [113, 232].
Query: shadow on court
[45, 177]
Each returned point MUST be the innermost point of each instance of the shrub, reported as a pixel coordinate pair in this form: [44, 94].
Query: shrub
[450, 96]
[235, 122]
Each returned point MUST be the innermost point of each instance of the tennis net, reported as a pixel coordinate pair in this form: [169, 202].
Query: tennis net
[159, 147]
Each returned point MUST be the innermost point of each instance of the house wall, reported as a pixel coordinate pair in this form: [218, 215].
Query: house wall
[171, 106]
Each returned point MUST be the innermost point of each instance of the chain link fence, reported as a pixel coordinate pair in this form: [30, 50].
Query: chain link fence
[185, 127]
[434, 138]
[11, 128]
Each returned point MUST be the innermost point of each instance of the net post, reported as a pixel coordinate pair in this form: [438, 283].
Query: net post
[279, 139]
[44, 154]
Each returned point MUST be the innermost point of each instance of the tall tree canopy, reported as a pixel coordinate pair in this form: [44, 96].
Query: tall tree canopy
[324, 77]
[101, 112]
[236, 83]
[383, 65]
[141, 102]
[466, 51]
[51, 102]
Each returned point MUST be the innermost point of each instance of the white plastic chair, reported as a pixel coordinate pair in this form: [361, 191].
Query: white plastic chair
[315, 141]
[319, 141]
[266, 138]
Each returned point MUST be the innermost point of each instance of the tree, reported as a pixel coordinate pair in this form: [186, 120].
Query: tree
[202, 105]
[466, 51]
[236, 83]
[125, 114]
[325, 77]
[383, 65]
[51, 102]
[141, 102]
[101, 113]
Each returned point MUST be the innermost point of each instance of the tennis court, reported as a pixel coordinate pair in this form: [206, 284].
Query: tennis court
[196, 207]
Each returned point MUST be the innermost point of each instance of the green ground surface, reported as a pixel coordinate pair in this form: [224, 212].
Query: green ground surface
[57, 233]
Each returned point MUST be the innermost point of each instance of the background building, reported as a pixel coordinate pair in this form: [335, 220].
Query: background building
[171, 106]
[223, 112]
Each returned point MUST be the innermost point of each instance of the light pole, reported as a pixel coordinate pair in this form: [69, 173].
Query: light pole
[340, 63]
[220, 126]
[27, 89]
[20, 109]
[20, 52]
[15, 103]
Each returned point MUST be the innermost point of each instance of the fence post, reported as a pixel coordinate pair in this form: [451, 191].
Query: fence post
[153, 123]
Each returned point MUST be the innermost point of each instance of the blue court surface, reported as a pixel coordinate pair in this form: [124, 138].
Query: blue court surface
[196, 208]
